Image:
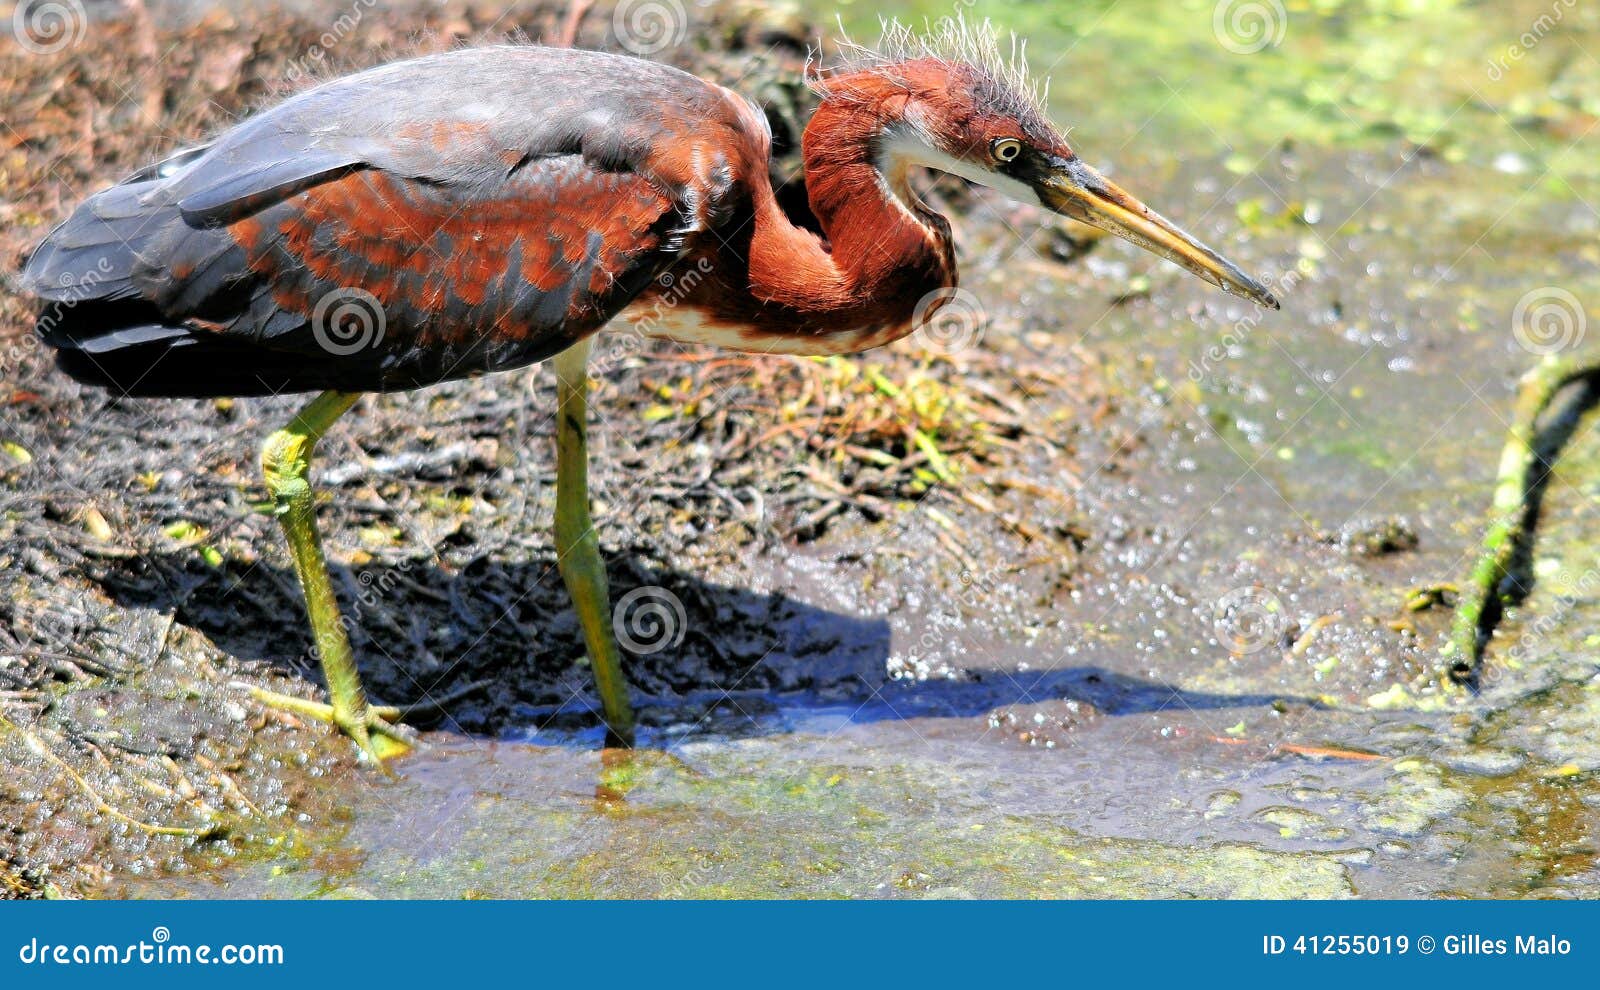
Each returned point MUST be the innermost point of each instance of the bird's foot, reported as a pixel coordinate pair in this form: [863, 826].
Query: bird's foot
[378, 734]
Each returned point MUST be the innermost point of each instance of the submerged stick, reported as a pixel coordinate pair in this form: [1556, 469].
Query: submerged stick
[1510, 515]
[37, 747]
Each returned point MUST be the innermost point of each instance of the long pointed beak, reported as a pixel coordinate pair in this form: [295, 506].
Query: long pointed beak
[1073, 189]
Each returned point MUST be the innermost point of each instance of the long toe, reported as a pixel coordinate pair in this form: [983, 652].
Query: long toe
[378, 735]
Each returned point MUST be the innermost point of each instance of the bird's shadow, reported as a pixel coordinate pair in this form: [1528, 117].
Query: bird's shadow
[701, 657]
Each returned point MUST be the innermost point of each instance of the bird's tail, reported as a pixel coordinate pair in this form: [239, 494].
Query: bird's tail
[108, 280]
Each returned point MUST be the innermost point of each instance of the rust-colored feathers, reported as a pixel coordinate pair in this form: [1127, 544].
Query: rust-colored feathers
[483, 209]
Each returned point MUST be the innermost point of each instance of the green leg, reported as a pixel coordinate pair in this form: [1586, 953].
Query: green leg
[286, 462]
[577, 548]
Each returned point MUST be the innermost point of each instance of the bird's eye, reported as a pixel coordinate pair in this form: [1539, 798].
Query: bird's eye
[1005, 149]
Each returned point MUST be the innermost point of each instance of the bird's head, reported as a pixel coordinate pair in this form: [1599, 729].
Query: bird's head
[949, 101]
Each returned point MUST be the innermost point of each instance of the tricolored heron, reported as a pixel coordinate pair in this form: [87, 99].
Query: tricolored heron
[495, 207]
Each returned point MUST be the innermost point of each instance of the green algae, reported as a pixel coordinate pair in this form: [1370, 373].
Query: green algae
[731, 828]
[1415, 798]
[1436, 74]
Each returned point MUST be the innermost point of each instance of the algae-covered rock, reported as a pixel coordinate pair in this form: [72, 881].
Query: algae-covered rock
[1413, 798]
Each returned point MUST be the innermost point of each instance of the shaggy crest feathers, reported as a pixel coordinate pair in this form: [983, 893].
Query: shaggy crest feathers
[950, 40]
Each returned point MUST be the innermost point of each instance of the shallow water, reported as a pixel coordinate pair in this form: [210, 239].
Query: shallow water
[1106, 726]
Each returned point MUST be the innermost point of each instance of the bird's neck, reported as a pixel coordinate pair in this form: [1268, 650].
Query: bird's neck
[862, 196]
[884, 249]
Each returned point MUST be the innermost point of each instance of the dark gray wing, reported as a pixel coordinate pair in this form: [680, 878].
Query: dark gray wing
[495, 203]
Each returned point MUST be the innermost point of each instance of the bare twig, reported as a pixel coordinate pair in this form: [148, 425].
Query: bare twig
[37, 746]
